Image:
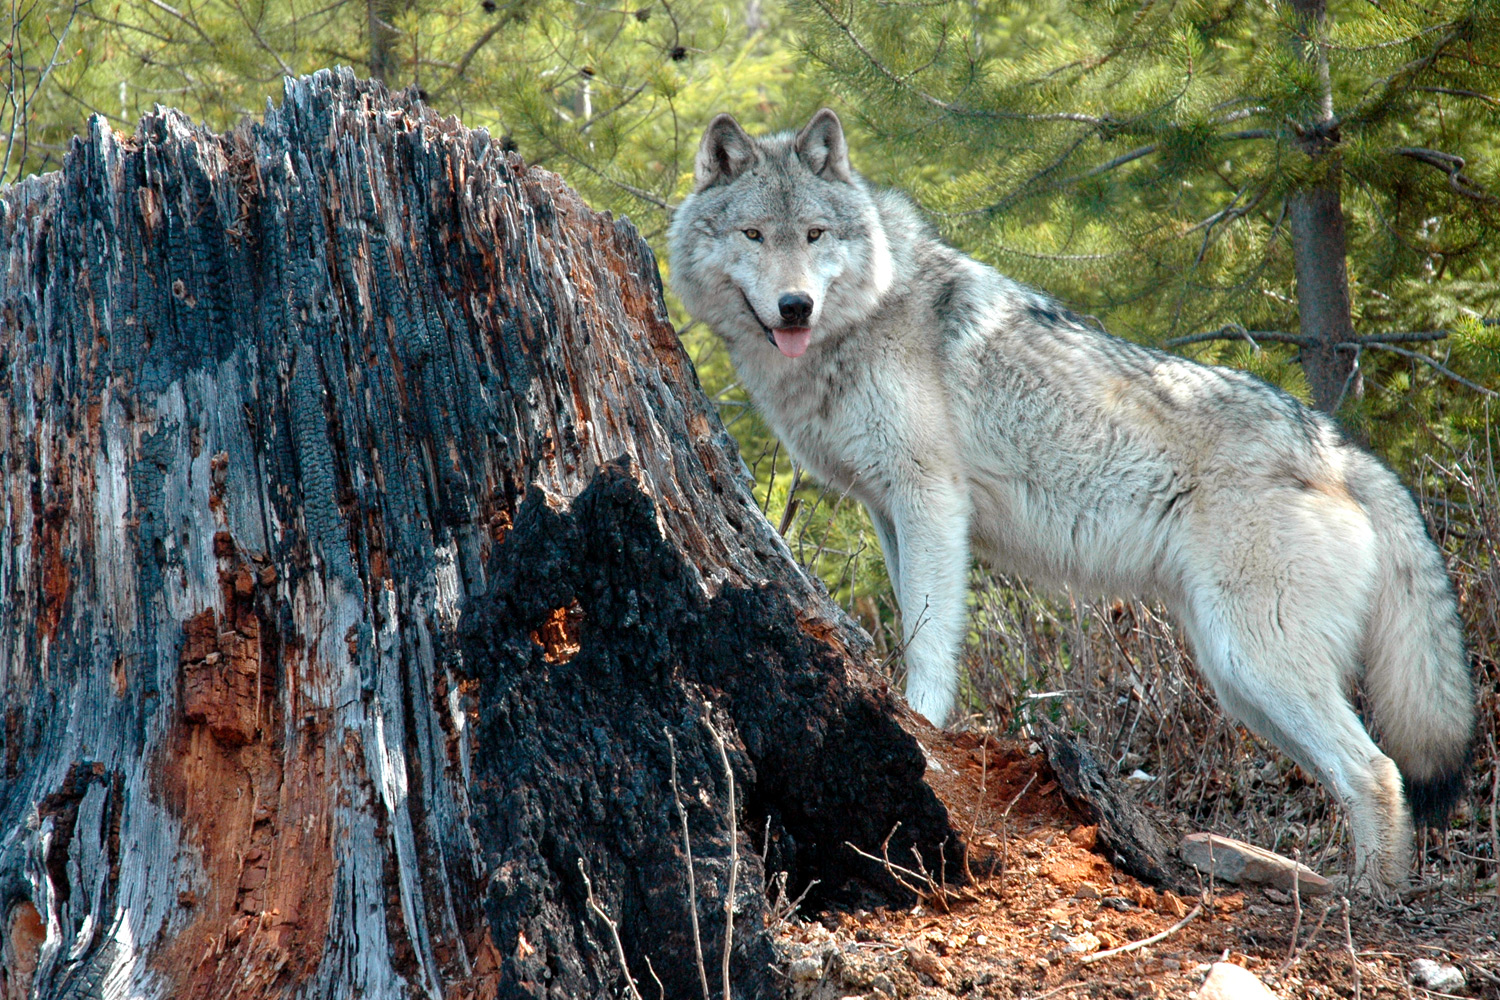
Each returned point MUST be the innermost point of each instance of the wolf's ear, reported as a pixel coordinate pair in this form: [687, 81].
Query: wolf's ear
[725, 152]
[822, 147]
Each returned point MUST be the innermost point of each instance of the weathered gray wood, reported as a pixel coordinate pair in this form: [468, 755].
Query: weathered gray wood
[1136, 842]
[312, 437]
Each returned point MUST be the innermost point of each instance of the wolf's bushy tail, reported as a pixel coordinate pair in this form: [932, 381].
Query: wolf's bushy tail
[1417, 676]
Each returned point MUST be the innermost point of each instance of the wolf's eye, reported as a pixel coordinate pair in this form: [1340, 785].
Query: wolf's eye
[813, 234]
[753, 234]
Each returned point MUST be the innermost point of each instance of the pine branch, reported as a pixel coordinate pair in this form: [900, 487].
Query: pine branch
[1425, 359]
[502, 18]
[1233, 331]
[1390, 88]
[1375, 341]
[1456, 92]
[1450, 164]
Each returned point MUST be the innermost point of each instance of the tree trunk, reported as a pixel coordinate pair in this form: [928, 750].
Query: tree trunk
[1319, 252]
[366, 535]
[1320, 248]
[382, 40]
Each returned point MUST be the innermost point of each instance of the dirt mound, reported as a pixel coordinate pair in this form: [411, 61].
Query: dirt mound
[1027, 910]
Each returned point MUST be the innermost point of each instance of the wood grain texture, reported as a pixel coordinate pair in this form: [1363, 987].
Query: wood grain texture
[360, 518]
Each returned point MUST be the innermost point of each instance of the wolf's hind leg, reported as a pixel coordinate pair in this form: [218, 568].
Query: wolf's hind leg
[1291, 693]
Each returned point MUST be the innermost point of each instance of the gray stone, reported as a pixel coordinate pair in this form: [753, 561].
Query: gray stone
[805, 970]
[1230, 982]
[1245, 864]
[1432, 975]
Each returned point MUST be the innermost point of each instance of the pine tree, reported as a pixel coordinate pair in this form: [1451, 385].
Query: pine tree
[1225, 174]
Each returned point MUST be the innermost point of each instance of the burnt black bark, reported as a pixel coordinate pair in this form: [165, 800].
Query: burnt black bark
[578, 762]
[364, 531]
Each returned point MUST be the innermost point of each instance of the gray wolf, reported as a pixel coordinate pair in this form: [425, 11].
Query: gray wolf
[973, 416]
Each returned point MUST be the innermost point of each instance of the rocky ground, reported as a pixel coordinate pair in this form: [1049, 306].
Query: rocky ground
[1043, 914]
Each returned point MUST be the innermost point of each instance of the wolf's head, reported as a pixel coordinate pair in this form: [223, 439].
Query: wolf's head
[780, 240]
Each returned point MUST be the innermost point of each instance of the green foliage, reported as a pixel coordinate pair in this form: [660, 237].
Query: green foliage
[613, 97]
[1137, 159]
[1134, 158]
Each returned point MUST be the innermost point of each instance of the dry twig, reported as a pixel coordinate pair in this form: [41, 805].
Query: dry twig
[734, 844]
[687, 849]
[1100, 956]
[614, 932]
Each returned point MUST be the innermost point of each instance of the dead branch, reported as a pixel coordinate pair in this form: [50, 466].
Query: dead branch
[687, 850]
[614, 931]
[1450, 164]
[734, 844]
[1100, 956]
[1425, 359]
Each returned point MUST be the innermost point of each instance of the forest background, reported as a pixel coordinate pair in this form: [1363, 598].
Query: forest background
[1305, 189]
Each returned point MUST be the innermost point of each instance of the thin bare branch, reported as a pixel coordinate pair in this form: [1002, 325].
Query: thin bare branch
[605, 114]
[614, 931]
[1392, 84]
[1457, 92]
[468, 57]
[261, 41]
[734, 845]
[1144, 942]
[23, 112]
[1427, 360]
[1108, 165]
[179, 15]
[687, 848]
[1233, 331]
[1450, 164]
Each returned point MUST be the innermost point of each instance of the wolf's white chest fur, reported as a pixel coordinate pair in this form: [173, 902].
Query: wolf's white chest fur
[1049, 495]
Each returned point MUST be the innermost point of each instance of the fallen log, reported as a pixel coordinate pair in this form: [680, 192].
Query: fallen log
[366, 536]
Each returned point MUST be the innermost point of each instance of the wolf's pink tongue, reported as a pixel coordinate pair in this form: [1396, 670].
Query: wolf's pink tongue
[793, 342]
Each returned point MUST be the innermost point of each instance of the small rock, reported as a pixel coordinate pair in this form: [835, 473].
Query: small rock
[1141, 776]
[1119, 903]
[881, 985]
[805, 970]
[1086, 891]
[925, 962]
[1084, 836]
[1276, 895]
[1434, 976]
[1230, 982]
[1239, 862]
[1082, 944]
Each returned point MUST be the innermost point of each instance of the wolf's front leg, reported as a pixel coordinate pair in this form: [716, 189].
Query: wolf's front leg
[932, 537]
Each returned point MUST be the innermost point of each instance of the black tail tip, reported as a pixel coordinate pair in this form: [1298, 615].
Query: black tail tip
[1431, 799]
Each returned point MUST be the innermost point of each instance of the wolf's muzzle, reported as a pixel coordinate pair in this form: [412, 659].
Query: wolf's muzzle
[763, 328]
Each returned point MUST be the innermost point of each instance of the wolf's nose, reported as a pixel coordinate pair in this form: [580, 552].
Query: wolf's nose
[796, 307]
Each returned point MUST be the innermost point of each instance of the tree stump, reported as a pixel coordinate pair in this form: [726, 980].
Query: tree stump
[366, 534]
